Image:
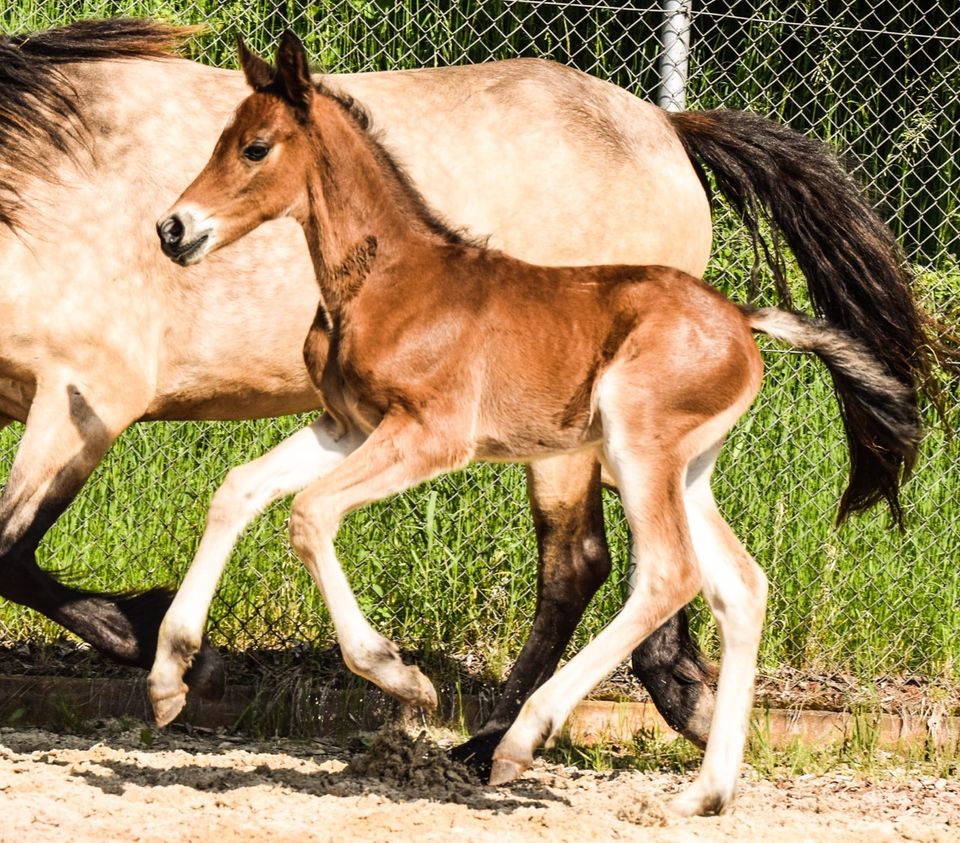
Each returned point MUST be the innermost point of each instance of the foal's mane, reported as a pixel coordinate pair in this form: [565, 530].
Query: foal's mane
[397, 177]
[40, 110]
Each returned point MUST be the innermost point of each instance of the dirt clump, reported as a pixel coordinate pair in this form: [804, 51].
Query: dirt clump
[397, 759]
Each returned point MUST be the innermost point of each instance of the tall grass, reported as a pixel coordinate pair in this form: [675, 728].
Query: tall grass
[451, 566]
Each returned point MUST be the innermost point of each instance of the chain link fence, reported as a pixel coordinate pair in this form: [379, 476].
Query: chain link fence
[451, 566]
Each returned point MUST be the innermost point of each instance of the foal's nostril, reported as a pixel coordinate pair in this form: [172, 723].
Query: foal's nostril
[171, 230]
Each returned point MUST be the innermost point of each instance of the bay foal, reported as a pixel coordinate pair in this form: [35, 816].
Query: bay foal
[437, 352]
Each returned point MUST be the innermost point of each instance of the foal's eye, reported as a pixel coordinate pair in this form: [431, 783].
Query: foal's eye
[256, 152]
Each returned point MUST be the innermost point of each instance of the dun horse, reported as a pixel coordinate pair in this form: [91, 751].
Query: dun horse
[431, 351]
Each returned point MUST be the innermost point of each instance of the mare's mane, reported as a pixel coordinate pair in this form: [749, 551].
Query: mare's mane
[40, 110]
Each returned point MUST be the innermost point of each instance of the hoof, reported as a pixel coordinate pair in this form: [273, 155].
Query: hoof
[697, 728]
[167, 708]
[207, 676]
[427, 696]
[504, 771]
[412, 688]
[477, 753]
[693, 802]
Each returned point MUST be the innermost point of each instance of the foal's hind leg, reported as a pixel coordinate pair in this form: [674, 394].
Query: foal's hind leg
[68, 431]
[573, 562]
[651, 489]
[736, 590]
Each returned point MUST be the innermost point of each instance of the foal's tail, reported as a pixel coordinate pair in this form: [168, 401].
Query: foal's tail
[880, 412]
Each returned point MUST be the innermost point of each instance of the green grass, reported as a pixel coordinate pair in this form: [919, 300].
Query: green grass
[450, 567]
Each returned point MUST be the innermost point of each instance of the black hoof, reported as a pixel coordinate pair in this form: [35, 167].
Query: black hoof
[477, 753]
[207, 676]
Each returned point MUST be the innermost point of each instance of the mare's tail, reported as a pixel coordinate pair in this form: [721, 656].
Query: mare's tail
[856, 276]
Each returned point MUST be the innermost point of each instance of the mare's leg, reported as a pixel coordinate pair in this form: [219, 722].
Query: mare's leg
[574, 561]
[398, 455]
[68, 431]
[673, 670]
[651, 487]
[736, 590]
[245, 493]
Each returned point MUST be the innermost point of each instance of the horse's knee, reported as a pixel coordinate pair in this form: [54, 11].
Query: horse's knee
[21, 579]
[235, 498]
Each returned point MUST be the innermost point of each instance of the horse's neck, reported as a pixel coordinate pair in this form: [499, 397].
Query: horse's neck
[357, 209]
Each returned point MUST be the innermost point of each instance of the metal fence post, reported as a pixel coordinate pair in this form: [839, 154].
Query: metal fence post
[671, 96]
[674, 58]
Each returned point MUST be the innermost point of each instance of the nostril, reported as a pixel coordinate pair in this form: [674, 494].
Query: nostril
[171, 230]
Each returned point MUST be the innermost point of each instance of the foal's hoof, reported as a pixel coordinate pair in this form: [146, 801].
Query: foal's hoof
[504, 771]
[424, 695]
[207, 676]
[167, 708]
[411, 687]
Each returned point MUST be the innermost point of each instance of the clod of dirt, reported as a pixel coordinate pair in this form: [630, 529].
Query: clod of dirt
[399, 760]
[645, 812]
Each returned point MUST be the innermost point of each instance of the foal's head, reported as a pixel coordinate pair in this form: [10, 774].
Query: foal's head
[256, 172]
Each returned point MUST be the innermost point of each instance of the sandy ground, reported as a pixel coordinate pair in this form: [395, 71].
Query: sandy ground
[112, 785]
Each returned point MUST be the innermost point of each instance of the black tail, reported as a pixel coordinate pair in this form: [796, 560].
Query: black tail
[880, 412]
[855, 273]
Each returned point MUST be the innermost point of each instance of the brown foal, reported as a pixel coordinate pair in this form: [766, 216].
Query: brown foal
[431, 352]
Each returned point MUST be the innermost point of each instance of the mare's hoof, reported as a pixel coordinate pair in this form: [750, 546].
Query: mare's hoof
[207, 676]
[477, 753]
[167, 708]
[504, 771]
[697, 728]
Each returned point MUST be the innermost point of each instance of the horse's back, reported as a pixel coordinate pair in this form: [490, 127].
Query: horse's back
[558, 167]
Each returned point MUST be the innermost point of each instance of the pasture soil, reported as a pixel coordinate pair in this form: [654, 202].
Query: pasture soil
[125, 783]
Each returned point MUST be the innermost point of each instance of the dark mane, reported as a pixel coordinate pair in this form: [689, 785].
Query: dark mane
[40, 116]
[429, 218]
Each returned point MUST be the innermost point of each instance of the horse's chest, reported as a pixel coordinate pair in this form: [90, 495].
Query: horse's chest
[356, 385]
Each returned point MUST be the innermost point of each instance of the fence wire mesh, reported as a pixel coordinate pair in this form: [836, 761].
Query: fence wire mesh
[451, 566]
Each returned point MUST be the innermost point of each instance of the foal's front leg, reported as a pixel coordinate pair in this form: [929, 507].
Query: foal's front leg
[399, 454]
[244, 494]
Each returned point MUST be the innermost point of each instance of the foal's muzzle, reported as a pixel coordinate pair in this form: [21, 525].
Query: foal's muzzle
[181, 239]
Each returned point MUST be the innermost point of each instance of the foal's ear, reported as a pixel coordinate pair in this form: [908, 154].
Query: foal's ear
[259, 74]
[293, 73]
